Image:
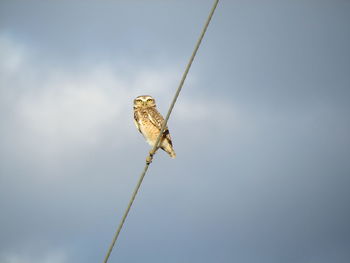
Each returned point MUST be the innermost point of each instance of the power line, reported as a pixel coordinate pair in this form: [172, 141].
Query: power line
[156, 145]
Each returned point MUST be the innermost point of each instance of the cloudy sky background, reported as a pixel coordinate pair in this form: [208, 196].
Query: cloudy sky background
[261, 131]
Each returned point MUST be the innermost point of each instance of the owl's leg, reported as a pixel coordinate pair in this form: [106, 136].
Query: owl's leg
[150, 156]
[151, 152]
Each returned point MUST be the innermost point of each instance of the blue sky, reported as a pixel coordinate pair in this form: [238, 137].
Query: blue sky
[261, 131]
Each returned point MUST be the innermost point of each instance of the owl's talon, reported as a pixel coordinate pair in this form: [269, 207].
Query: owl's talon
[149, 159]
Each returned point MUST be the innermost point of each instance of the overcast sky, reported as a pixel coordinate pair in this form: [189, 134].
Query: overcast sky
[261, 131]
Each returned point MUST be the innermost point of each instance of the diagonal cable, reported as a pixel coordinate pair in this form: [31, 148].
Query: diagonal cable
[156, 145]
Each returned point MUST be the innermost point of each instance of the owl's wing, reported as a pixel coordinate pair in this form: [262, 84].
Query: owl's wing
[166, 134]
[157, 120]
[136, 121]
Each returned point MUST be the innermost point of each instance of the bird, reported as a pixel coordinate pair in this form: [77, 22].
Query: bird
[149, 121]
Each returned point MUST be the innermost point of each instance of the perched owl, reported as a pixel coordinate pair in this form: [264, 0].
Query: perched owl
[149, 122]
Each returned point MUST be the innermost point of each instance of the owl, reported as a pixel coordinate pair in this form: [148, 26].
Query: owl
[149, 122]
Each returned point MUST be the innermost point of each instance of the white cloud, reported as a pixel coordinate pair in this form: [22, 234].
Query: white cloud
[11, 55]
[73, 108]
[70, 111]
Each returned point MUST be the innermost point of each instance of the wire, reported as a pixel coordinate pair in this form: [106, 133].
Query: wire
[156, 145]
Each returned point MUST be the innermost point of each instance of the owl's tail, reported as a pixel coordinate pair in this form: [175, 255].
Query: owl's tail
[167, 147]
[172, 153]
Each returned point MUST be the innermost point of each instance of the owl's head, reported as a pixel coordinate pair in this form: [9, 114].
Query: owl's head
[144, 101]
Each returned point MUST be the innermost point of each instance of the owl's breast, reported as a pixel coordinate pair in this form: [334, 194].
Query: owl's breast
[149, 131]
[147, 128]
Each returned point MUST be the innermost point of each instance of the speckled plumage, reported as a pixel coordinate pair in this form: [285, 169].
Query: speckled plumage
[149, 122]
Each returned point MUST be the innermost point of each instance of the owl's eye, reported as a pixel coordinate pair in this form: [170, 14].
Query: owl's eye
[149, 100]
